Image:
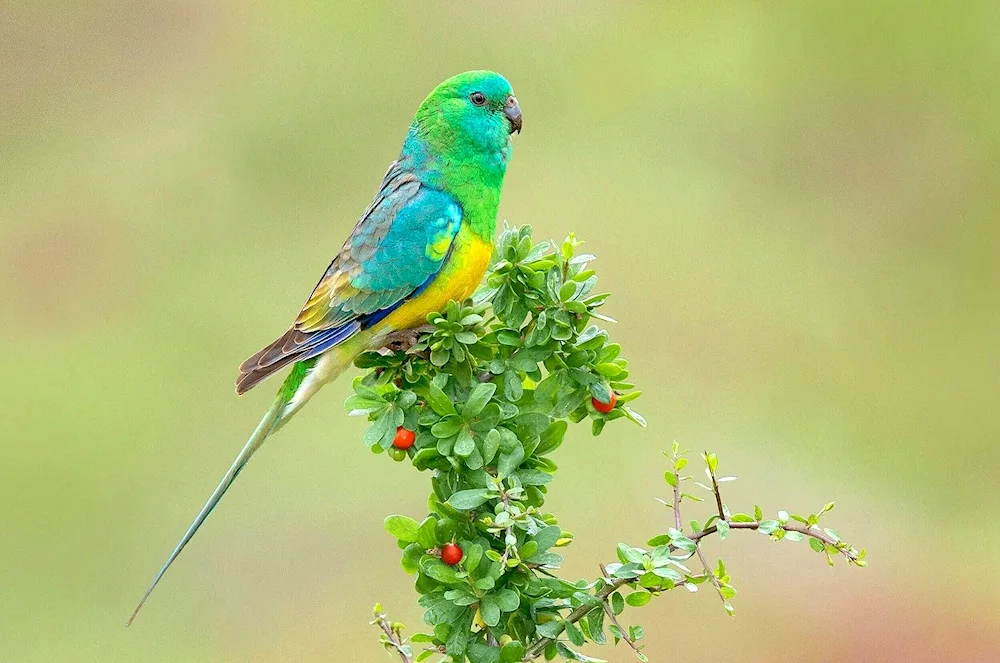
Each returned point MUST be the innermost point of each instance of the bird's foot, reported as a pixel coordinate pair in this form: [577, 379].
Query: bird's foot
[404, 339]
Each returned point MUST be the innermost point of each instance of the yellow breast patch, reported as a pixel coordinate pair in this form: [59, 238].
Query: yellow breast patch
[458, 279]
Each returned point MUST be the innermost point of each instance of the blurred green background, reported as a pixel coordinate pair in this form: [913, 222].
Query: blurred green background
[795, 205]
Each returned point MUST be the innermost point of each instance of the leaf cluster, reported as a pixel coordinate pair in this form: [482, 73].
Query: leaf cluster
[490, 389]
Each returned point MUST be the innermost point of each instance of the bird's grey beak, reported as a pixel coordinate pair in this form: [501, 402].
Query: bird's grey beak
[513, 113]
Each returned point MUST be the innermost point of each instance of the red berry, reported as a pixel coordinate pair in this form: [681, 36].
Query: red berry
[604, 408]
[451, 554]
[404, 438]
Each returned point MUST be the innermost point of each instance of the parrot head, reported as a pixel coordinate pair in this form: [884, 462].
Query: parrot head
[476, 110]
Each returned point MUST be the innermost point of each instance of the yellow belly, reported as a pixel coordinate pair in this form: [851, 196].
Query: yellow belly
[458, 279]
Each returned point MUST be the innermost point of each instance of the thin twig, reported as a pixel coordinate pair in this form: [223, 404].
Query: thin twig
[677, 499]
[392, 635]
[709, 573]
[614, 620]
[507, 532]
[848, 552]
[536, 649]
[715, 489]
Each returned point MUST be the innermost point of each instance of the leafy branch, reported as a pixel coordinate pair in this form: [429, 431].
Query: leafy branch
[680, 546]
[481, 397]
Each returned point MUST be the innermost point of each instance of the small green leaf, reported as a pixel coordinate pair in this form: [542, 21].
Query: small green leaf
[512, 652]
[617, 603]
[490, 445]
[550, 629]
[723, 528]
[768, 526]
[478, 398]
[574, 634]
[546, 538]
[510, 460]
[427, 534]
[464, 500]
[442, 573]
[551, 437]
[439, 401]
[472, 557]
[490, 611]
[447, 427]
[571, 655]
[403, 528]
[638, 598]
[464, 445]
[508, 600]
[533, 477]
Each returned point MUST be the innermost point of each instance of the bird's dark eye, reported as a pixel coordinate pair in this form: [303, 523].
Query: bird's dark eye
[478, 98]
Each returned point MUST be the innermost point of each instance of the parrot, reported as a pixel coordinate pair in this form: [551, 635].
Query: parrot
[425, 239]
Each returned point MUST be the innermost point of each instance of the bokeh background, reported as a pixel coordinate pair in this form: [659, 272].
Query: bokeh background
[795, 205]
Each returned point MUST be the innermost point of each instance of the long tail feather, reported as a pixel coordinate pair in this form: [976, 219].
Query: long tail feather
[264, 428]
[305, 379]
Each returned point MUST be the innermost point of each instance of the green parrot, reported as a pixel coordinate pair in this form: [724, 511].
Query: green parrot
[424, 240]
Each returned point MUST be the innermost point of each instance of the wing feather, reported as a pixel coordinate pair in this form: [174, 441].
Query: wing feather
[395, 249]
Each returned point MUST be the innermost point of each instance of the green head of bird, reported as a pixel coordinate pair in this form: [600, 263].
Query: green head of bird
[475, 111]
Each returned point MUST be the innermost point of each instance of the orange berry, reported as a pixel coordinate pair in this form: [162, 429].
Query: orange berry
[404, 438]
[604, 408]
[451, 554]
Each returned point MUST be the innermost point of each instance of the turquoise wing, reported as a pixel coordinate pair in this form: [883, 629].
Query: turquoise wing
[396, 248]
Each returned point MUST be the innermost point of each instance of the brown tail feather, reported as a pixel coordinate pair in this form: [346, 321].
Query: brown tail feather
[268, 360]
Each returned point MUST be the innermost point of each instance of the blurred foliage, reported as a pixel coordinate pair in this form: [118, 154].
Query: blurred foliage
[796, 207]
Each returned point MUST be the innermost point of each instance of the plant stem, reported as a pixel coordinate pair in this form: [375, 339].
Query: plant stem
[392, 636]
[536, 649]
[718, 494]
[677, 499]
[847, 552]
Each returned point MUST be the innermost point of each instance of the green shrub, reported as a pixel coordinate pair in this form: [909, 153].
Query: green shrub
[490, 387]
